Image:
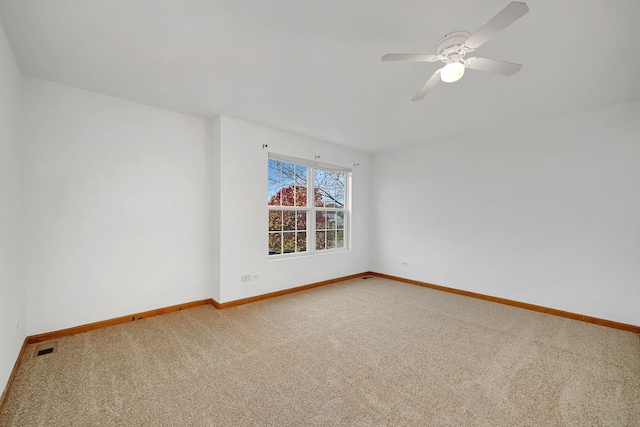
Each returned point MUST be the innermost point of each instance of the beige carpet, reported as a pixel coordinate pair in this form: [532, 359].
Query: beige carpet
[358, 353]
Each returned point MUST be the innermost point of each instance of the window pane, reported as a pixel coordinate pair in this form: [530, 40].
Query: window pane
[327, 200]
[274, 195]
[288, 243]
[274, 182]
[319, 178]
[287, 196]
[289, 220]
[287, 187]
[340, 220]
[331, 220]
[301, 242]
[287, 174]
[300, 177]
[338, 198]
[275, 220]
[301, 220]
[274, 168]
[301, 195]
[340, 239]
[320, 240]
[275, 243]
[317, 198]
[331, 239]
[321, 220]
[320, 187]
[330, 187]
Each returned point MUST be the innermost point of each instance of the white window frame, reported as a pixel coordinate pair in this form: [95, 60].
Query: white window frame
[312, 210]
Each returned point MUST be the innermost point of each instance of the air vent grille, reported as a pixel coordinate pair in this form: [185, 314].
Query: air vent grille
[45, 348]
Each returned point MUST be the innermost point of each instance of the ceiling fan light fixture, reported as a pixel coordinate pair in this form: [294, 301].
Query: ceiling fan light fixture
[452, 72]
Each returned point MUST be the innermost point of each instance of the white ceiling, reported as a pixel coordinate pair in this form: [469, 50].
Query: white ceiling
[313, 67]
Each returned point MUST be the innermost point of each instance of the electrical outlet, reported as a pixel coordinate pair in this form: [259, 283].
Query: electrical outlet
[255, 277]
[245, 277]
[405, 263]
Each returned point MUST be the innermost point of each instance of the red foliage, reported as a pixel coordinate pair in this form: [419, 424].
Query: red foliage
[294, 195]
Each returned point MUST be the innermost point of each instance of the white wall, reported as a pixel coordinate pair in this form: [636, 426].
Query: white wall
[12, 294]
[545, 213]
[116, 207]
[243, 211]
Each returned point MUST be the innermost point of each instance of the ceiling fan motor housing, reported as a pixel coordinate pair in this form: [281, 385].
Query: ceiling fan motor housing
[452, 42]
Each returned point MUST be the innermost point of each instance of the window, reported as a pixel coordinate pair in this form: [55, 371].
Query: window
[308, 206]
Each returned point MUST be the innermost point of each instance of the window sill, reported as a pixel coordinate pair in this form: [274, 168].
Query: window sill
[306, 254]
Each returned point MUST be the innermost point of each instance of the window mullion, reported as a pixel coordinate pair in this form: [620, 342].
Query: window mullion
[311, 219]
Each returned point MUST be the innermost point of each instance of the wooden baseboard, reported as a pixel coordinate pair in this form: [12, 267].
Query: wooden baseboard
[115, 321]
[527, 306]
[242, 301]
[12, 375]
[130, 318]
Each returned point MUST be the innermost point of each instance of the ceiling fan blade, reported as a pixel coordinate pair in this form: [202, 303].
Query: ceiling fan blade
[507, 16]
[493, 66]
[433, 80]
[408, 57]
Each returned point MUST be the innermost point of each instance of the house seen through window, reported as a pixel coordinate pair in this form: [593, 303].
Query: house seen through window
[308, 206]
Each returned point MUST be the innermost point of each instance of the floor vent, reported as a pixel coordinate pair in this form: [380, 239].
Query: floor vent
[45, 348]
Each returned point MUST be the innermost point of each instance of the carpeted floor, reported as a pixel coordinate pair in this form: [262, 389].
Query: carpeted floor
[359, 353]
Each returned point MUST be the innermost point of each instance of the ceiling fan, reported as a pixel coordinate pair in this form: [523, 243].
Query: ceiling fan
[453, 47]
